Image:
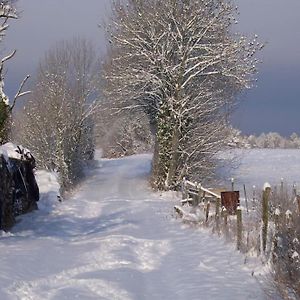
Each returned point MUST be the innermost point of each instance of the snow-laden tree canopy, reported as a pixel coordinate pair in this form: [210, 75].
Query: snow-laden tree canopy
[180, 62]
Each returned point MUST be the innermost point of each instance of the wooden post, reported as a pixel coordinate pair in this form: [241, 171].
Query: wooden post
[298, 202]
[239, 228]
[183, 188]
[232, 184]
[218, 207]
[265, 215]
[195, 197]
[277, 218]
[288, 218]
[281, 187]
[254, 197]
[217, 217]
[199, 192]
[225, 216]
[294, 189]
[246, 200]
[207, 211]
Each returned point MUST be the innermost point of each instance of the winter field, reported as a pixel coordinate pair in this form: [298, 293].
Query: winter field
[116, 239]
[256, 166]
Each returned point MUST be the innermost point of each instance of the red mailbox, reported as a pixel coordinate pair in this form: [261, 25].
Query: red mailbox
[231, 201]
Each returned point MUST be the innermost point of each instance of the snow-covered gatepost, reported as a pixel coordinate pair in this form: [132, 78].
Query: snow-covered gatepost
[19, 191]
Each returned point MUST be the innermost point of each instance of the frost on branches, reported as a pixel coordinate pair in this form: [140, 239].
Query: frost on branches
[6, 12]
[58, 121]
[181, 64]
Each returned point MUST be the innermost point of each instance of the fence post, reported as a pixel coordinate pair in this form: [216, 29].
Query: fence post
[225, 216]
[246, 199]
[288, 218]
[298, 203]
[218, 206]
[254, 197]
[281, 187]
[207, 211]
[294, 189]
[199, 192]
[239, 228]
[265, 214]
[195, 197]
[217, 217]
[277, 218]
[183, 189]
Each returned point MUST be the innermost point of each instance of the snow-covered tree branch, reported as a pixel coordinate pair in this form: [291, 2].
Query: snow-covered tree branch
[7, 11]
[180, 62]
[58, 118]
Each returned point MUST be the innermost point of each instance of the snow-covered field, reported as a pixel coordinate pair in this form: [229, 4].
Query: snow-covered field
[257, 166]
[116, 239]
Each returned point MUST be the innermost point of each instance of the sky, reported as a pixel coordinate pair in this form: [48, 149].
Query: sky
[272, 105]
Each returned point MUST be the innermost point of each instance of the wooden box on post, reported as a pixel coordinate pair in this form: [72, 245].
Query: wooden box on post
[230, 200]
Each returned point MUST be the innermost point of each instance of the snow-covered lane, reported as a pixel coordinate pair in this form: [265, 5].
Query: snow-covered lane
[116, 239]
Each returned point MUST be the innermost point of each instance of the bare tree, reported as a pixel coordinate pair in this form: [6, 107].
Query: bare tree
[7, 11]
[58, 126]
[181, 63]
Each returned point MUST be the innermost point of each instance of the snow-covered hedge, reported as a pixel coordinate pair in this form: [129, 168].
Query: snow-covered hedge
[19, 191]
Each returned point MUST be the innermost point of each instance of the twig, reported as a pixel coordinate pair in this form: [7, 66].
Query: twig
[20, 93]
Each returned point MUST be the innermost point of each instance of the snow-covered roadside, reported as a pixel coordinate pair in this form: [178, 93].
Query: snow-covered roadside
[116, 239]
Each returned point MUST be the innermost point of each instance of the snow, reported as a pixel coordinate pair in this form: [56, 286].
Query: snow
[277, 211]
[256, 166]
[266, 186]
[10, 150]
[116, 239]
[295, 255]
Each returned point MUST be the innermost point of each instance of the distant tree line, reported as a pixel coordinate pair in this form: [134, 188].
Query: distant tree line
[271, 140]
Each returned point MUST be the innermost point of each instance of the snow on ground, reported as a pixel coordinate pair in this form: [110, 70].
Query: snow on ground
[257, 166]
[11, 150]
[116, 239]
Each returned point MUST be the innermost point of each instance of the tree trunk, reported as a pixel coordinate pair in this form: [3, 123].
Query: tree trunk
[166, 155]
[162, 157]
[171, 176]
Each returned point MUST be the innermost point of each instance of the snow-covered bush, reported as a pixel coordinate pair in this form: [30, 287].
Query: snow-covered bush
[286, 242]
[58, 121]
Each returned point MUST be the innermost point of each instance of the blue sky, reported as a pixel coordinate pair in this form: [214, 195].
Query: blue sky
[273, 105]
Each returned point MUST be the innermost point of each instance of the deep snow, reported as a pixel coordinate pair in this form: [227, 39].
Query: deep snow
[116, 239]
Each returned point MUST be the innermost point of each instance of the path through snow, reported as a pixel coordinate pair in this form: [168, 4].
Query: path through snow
[115, 239]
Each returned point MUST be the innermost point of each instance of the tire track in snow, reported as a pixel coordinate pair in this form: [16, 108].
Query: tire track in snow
[122, 244]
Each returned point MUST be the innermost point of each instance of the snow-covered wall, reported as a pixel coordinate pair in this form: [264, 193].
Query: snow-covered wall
[19, 191]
